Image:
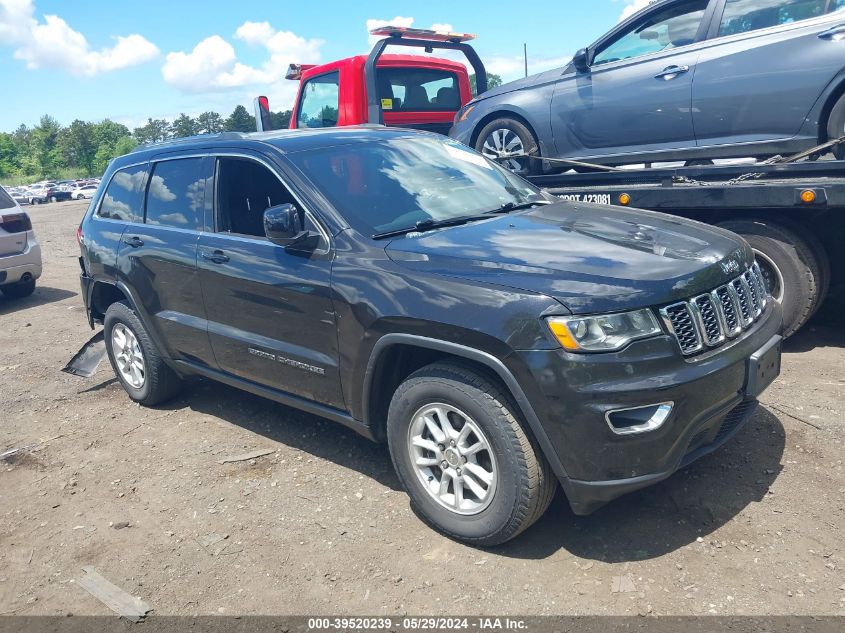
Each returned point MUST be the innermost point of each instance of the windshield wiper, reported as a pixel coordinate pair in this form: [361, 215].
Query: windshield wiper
[514, 206]
[430, 224]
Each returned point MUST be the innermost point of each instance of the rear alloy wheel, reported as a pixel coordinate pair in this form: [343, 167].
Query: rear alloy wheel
[510, 143]
[134, 358]
[19, 290]
[471, 469]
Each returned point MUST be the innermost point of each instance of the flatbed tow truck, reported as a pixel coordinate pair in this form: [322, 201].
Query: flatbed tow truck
[790, 209]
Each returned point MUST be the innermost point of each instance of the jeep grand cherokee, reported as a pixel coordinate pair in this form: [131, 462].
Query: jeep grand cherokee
[500, 341]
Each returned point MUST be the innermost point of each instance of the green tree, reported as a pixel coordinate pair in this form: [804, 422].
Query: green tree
[493, 81]
[183, 126]
[43, 153]
[155, 131]
[209, 123]
[78, 147]
[240, 121]
[280, 120]
[8, 155]
[107, 132]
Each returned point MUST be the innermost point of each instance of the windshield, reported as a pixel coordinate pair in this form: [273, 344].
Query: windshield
[393, 184]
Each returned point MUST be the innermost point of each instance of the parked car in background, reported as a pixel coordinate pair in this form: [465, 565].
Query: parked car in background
[53, 193]
[498, 339]
[680, 80]
[20, 253]
[82, 192]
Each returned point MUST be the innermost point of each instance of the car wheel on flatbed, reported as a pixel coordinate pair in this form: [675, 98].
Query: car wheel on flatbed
[472, 470]
[796, 273]
[137, 363]
[506, 136]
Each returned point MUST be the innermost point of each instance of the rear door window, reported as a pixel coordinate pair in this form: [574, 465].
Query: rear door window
[175, 196]
[6, 201]
[319, 102]
[418, 90]
[743, 16]
[124, 197]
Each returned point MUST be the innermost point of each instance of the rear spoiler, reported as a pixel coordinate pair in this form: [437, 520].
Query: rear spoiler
[417, 38]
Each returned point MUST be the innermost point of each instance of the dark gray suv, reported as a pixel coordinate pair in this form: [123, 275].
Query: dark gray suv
[680, 80]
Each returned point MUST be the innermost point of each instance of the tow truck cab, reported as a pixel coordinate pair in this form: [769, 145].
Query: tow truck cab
[413, 91]
[396, 90]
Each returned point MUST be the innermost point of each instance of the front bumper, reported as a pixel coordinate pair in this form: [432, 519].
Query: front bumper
[14, 268]
[711, 395]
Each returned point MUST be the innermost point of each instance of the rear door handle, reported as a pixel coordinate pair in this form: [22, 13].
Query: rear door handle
[835, 34]
[218, 257]
[670, 72]
[134, 241]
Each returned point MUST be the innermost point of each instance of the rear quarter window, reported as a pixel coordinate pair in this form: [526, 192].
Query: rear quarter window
[124, 196]
[6, 201]
[175, 196]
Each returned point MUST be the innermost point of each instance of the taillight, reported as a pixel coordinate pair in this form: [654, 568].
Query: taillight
[15, 223]
[79, 235]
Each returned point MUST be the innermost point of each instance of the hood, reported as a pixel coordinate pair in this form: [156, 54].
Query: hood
[591, 258]
[519, 84]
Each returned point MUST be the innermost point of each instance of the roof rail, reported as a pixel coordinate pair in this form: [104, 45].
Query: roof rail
[193, 139]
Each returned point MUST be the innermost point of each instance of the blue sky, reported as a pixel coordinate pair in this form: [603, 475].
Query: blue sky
[133, 59]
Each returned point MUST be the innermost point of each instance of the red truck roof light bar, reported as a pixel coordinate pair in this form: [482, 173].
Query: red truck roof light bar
[416, 38]
[295, 71]
[422, 34]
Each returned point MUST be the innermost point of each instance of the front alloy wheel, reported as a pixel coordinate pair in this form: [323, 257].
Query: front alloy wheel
[452, 458]
[128, 356]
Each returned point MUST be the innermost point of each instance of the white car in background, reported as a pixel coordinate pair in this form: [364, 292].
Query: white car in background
[83, 192]
[20, 254]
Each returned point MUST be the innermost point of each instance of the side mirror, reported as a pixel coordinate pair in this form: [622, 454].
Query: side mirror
[283, 225]
[581, 61]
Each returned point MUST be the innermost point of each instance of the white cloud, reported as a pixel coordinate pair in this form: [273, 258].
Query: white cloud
[632, 6]
[54, 44]
[374, 23]
[213, 64]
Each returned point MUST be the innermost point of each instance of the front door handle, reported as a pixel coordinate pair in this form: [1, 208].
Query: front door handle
[835, 34]
[134, 241]
[218, 257]
[670, 72]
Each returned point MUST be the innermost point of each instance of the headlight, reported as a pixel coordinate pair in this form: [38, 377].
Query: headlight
[461, 115]
[603, 333]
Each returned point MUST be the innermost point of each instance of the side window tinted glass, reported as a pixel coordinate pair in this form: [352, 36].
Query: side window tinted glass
[124, 197]
[175, 195]
[670, 28]
[742, 16]
[418, 90]
[318, 105]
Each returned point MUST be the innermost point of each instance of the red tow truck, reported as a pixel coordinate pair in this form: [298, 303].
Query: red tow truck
[407, 91]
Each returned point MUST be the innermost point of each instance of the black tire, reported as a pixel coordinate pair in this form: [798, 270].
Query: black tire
[525, 483]
[19, 290]
[528, 166]
[160, 382]
[836, 127]
[793, 261]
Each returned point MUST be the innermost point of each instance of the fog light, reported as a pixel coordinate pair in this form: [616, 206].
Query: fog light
[639, 419]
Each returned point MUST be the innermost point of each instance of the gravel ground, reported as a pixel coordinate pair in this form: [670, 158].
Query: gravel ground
[320, 526]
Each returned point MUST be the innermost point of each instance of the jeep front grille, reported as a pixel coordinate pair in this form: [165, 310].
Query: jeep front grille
[708, 320]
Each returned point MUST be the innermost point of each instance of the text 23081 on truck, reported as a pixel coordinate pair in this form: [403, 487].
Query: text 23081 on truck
[499, 340]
